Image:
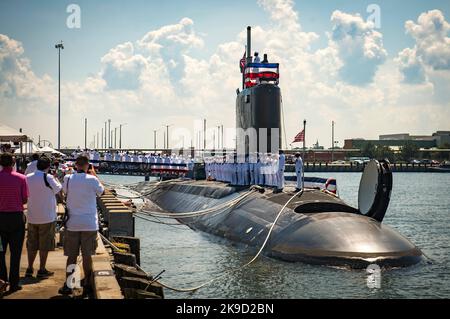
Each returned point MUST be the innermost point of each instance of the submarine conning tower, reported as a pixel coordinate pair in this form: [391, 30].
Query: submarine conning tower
[258, 106]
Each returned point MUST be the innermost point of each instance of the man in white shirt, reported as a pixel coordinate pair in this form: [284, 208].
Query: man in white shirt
[41, 216]
[256, 59]
[280, 173]
[82, 226]
[31, 167]
[299, 171]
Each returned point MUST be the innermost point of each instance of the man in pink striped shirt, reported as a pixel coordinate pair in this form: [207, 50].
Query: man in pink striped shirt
[13, 195]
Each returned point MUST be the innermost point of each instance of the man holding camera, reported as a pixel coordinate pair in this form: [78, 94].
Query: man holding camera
[81, 190]
[41, 216]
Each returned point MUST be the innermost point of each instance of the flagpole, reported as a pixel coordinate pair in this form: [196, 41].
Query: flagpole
[304, 149]
[243, 71]
[304, 139]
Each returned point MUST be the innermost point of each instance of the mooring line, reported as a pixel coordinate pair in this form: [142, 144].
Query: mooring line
[193, 289]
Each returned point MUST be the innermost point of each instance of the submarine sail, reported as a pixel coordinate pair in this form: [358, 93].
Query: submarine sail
[258, 106]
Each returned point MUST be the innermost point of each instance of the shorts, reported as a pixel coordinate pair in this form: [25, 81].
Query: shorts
[76, 240]
[41, 237]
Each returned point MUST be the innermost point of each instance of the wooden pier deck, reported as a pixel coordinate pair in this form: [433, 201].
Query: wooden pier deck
[105, 285]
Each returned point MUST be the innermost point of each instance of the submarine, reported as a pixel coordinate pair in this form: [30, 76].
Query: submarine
[312, 226]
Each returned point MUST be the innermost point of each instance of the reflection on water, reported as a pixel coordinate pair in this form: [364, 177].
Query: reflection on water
[419, 209]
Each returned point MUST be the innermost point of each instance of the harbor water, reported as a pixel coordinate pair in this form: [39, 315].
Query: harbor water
[419, 209]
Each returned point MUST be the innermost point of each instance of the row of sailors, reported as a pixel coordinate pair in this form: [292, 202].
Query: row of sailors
[265, 170]
[138, 158]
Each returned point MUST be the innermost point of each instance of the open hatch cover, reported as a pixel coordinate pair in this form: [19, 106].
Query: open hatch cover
[375, 189]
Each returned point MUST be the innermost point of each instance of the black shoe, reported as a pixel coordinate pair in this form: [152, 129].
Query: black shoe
[15, 288]
[87, 291]
[3, 286]
[65, 290]
[44, 273]
[29, 272]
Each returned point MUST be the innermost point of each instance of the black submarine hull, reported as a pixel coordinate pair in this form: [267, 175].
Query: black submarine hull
[315, 228]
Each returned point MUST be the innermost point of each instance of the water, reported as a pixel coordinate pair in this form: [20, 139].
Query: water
[419, 209]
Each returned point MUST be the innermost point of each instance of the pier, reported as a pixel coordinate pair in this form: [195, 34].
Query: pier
[116, 272]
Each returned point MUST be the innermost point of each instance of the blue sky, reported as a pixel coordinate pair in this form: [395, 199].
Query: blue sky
[39, 24]
[160, 59]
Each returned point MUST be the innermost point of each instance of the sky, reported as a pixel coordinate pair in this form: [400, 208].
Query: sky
[155, 63]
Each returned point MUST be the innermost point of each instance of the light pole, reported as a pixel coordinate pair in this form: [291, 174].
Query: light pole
[102, 137]
[97, 141]
[115, 137]
[204, 134]
[154, 138]
[120, 134]
[106, 134]
[60, 47]
[167, 136]
[218, 137]
[109, 131]
[221, 128]
[332, 141]
[85, 133]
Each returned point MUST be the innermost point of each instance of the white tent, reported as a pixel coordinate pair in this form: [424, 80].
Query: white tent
[31, 148]
[8, 134]
[48, 149]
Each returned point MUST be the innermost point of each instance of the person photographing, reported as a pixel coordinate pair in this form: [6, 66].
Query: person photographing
[81, 226]
[41, 216]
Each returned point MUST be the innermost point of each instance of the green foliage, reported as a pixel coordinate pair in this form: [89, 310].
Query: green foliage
[368, 150]
[382, 152]
[408, 151]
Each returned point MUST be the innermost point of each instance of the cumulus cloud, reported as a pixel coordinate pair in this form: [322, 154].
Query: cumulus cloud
[17, 79]
[158, 56]
[158, 79]
[431, 51]
[358, 47]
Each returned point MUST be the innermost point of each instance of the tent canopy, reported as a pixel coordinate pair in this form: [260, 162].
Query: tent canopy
[8, 134]
[48, 149]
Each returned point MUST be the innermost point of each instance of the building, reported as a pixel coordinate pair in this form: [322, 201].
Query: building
[438, 139]
[442, 139]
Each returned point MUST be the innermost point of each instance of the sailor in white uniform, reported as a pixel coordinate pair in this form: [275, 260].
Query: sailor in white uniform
[299, 171]
[256, 59]
[280, 173]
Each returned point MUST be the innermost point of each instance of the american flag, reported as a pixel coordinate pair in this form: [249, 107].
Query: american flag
[300, 137]
[242, 63]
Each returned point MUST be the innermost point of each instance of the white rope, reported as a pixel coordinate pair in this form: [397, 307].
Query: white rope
[225, 205]
[193, 289]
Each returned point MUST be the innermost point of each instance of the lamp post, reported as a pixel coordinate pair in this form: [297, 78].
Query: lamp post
[85, 133]
[59, 46]
[167, 136]
[154, 138]
[332, 141]
[120, 134]
[115, 137]
[109, 131]
[204, 134]
[106, 135]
